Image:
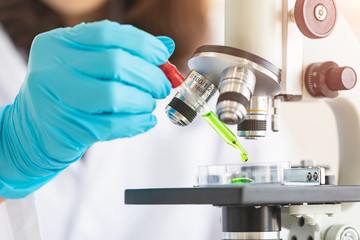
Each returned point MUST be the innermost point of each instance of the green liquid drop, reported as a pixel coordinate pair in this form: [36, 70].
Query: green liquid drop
[242, 180]
[225, 133]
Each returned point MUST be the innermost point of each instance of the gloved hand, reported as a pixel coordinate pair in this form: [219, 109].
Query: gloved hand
[94, 82]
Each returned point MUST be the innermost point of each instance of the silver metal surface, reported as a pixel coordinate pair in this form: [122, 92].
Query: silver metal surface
[306, 163]
[200, 85]
[320, 12]
[343, 231]
[251, 235]
[349, 234]
[235, 80]
[258, 111]
[194, 92]
[275, 118]
[230, 112]
[298, 228]
[291, 16]
[212, 64]
[253, 134]
[176, 117]
[304, 176]
[322, 176]
[259, 105]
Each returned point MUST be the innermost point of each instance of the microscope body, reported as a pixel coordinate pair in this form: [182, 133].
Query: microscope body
[336, 222]
[267, 60]
[342, 48]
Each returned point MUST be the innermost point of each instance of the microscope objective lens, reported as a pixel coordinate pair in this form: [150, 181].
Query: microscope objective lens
[225, 133]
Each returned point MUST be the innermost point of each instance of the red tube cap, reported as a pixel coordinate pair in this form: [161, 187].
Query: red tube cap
[172, 74]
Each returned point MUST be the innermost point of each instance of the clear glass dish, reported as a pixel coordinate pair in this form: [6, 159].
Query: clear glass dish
[242, 173]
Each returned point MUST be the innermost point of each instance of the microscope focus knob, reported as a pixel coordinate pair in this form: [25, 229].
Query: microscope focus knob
[315, 18]
[327, 78]
[341, 78]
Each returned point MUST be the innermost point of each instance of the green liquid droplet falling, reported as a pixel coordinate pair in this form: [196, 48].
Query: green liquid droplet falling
[225, 133]
[242, 180]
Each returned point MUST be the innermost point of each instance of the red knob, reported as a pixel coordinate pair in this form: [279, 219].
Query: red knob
[327, 78]
[315, 18]
[340, 78]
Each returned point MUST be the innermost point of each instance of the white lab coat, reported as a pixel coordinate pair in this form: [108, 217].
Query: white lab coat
[18, 218]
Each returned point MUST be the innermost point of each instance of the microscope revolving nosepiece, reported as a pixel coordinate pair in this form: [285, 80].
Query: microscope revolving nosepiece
[239, 75]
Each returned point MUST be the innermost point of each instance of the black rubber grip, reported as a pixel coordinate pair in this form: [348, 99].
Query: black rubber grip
[250, 219]
[234, 96]
[183, 108]
[252, 125]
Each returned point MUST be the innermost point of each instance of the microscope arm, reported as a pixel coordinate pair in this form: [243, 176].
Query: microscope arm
[341, 47]
[346, 110]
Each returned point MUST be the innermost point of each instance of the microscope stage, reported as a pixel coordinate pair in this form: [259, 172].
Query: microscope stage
[248, 194]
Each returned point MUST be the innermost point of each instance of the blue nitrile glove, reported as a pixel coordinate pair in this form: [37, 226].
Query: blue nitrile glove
[94, 82]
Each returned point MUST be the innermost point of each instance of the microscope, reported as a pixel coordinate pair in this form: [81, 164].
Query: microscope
[275, 51]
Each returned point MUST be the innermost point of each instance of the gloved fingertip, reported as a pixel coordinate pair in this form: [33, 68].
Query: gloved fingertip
[153, 121]
[168, 88]
[153, 106]
[148, 124]
[168, 42]
[164, 90]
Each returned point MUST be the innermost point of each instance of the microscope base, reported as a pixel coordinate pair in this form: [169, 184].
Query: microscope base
[306, 210]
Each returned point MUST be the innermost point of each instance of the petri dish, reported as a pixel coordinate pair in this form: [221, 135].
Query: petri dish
[242, 173]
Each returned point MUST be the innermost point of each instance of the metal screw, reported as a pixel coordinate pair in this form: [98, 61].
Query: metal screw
[301, 221]
[309, 176]
[320, 12]
[315, 176]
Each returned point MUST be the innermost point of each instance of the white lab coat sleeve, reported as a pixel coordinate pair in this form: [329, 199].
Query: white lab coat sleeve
[18, 217]
[5, 227]
[12, 70]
